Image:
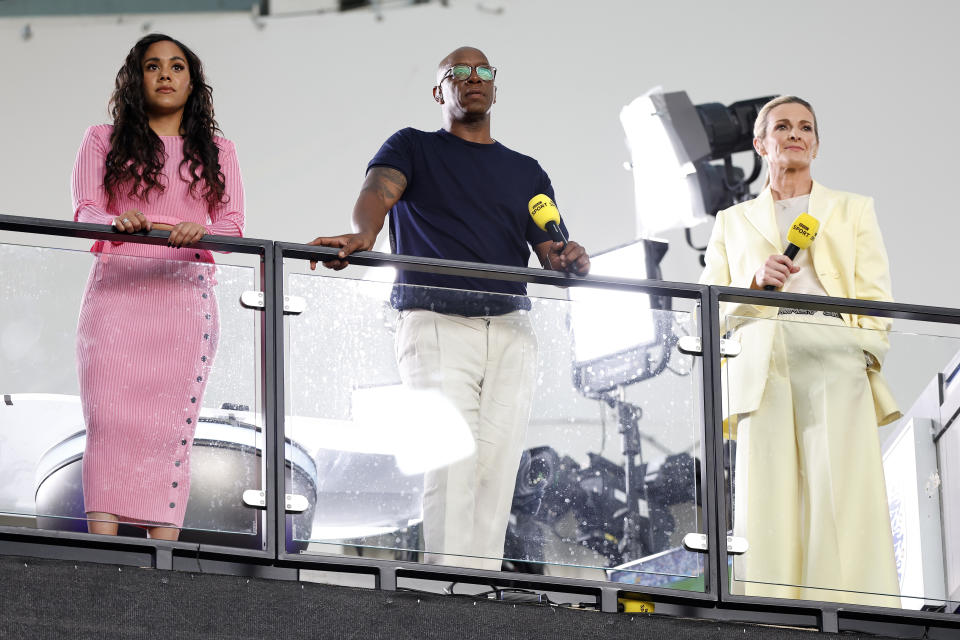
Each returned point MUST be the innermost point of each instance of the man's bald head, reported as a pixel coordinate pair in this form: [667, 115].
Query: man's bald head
[466, 100]
[459, 55]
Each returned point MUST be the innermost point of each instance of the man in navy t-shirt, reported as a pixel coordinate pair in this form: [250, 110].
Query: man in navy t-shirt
[458, 194]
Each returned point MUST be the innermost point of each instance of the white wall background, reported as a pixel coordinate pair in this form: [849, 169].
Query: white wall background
[308, 100]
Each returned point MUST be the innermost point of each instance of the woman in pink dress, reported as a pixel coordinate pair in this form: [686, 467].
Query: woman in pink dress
[148, 328]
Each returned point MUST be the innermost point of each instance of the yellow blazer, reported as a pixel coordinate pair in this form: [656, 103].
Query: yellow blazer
[850, 261]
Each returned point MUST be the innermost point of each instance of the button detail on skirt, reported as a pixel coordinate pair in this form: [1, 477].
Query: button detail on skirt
[189, 420]
[197, 256]
[177, 463]
[206, 336]
[174, 485]
[200, 278]
[204, 296]
[173, 505]
[199, 378]
[203, 358]
[183, 442]
[193, 399]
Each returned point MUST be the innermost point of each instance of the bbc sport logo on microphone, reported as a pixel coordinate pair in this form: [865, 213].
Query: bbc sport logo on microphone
[540, 203]
[543, 210]
[803, 231]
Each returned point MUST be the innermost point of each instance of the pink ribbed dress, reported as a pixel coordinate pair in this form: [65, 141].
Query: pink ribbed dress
[146, 338]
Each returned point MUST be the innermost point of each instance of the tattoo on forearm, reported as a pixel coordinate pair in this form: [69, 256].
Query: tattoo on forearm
[385, 183]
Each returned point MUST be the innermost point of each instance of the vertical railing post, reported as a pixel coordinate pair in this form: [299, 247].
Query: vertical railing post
[719, 579]
[276, 455]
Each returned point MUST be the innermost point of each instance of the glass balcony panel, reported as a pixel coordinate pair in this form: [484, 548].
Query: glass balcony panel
[211, 442]
[844, 479]
[384, 443]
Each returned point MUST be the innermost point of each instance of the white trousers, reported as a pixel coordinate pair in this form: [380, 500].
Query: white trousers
[809, 494]
[486, 367]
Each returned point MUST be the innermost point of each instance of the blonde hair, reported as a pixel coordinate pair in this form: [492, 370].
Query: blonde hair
[760, 126]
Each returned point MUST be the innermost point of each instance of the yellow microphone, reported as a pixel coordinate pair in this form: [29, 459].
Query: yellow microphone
[802, 233]
[546, 216]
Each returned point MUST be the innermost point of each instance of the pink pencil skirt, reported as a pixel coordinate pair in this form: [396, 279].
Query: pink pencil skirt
[146, 339]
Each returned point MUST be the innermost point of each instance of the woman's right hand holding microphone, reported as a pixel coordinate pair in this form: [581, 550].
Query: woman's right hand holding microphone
[774, 272]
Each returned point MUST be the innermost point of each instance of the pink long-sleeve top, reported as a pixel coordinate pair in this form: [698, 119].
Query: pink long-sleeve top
[173, 205]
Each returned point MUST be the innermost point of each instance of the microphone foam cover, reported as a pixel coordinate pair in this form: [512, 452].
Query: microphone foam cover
[803, 230]
[543, 210]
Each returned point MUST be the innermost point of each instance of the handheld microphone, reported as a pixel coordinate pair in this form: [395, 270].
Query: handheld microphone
[802, 233]
[546, 216]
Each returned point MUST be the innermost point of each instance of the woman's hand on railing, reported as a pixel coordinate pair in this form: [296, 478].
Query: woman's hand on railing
[182, 234]
[185, 234]
[131, 222]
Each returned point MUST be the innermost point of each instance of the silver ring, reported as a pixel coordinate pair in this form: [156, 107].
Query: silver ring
[126, 219]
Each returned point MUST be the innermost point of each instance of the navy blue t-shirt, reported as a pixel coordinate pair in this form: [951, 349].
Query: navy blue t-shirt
[464, 201]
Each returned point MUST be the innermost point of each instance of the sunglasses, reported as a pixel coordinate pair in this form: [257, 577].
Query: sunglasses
[463, 71]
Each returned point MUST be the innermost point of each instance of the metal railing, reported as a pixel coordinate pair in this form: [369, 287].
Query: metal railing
[276, 558]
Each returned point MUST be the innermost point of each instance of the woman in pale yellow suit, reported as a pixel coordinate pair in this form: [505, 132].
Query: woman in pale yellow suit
[806, 394]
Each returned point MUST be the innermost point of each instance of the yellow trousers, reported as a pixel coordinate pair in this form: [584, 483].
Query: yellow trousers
[809, 492]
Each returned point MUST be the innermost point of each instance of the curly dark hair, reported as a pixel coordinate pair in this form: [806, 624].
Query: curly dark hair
[136, 156]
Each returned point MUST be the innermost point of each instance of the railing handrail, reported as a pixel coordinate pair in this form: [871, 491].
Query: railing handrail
[70, 229]
[66, 228]
[926, 313]
[493, 271]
